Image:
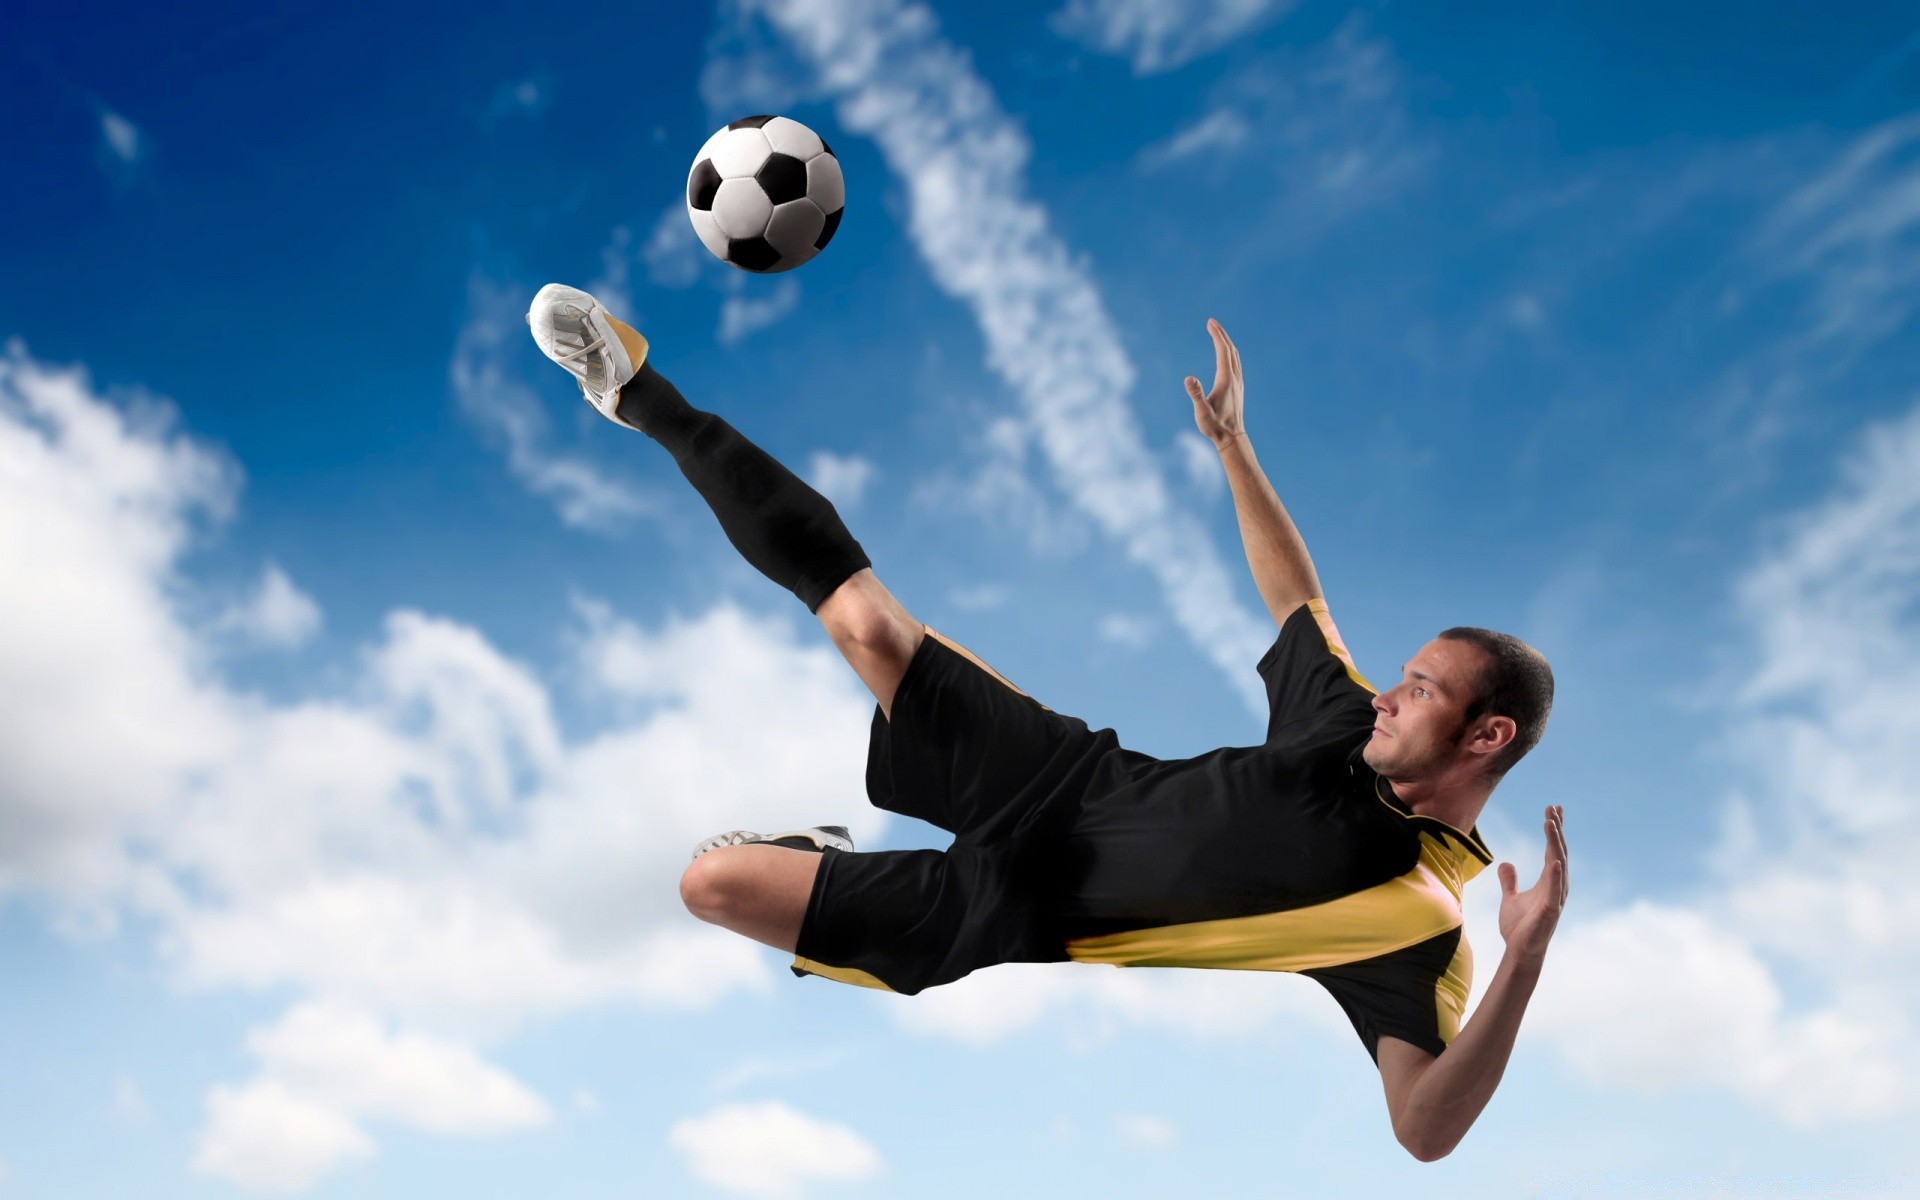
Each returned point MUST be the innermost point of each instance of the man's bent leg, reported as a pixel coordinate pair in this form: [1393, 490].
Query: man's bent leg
[756, 890]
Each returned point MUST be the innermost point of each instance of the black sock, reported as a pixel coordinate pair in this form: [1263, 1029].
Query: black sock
[789, 532]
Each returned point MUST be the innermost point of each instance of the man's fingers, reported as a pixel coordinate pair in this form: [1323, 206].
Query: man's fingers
[1193, 388]
[1222, 352]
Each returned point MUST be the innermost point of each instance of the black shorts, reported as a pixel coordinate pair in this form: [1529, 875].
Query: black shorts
[969, 752]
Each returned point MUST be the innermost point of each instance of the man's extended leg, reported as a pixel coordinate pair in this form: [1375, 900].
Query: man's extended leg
[787, 530]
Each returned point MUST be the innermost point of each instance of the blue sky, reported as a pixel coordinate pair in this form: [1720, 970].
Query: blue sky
[363, 690]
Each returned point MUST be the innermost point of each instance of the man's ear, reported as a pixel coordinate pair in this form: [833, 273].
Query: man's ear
[1490, 735]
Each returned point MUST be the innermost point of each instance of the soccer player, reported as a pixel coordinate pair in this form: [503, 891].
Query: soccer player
[1336, 849]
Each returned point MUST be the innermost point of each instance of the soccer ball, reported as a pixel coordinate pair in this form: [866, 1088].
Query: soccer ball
[765, 194]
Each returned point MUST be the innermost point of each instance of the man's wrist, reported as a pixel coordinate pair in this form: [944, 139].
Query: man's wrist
[1223, 443]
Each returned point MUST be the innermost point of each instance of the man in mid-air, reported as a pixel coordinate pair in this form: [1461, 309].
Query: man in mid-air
[1336, 849]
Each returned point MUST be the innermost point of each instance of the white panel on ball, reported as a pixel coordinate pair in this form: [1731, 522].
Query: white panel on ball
[740, 152]
[825, 186]
[706, 150]
[789, 136]
[741, 208]
[708, 231]
[794, 226]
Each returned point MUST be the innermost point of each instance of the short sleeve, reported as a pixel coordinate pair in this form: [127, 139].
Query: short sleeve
[1308, 671]
[1417, 994]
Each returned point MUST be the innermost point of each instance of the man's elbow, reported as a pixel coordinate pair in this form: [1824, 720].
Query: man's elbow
[1423, 1146]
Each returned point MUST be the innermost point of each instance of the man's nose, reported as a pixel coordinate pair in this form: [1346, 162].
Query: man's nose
[1381, 704]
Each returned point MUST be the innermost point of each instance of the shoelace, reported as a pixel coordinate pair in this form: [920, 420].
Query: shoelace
[569, 358]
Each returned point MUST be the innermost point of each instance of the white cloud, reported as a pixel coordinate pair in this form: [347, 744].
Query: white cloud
[267, 1138]
[1703, 1011]
[1159, 35]
[1048, 335]
[323, 1071]
[510, 414]
[427, 846]
[1096, 1003]
[769, 1149]
[843, 479]
[1144, 1131]
[278, 614]
[742, 315]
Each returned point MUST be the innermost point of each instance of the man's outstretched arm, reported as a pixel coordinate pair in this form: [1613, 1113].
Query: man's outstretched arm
[1435, 1100]
[1276, 552]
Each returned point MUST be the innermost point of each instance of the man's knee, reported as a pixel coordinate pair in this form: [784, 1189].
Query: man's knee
[713, 884]
[862, 612]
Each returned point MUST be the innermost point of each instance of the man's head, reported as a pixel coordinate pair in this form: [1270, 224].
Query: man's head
[1470, 702]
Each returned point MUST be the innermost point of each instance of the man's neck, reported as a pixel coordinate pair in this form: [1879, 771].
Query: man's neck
[1458, 803]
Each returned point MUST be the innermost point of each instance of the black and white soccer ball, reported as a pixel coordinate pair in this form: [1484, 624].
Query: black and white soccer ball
[765, 194]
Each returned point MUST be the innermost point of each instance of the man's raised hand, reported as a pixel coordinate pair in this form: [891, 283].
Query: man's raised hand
[1219, 413]
[1527, 919]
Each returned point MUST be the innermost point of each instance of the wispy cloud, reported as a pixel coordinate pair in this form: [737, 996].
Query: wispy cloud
[1853, 235]
[508, 412]
[124, 147]
[1159, 35]
[1328, 125]
[962, 160]
[1221, 129]
[743, 314]
[772, 1150]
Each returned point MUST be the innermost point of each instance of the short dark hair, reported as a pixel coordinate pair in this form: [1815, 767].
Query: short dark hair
[1516, 683]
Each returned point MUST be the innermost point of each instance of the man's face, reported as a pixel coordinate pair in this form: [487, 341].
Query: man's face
[1419, 724]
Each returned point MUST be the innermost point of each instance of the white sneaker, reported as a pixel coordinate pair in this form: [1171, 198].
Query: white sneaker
[817, 838]
[599, 350]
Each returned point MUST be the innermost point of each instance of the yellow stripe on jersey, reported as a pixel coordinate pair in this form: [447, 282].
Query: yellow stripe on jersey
[853, 975]
[1324, 619]
[1450, 991]
[1421, 904]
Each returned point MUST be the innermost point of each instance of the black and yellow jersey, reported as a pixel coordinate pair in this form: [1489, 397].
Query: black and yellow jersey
[1292, 855]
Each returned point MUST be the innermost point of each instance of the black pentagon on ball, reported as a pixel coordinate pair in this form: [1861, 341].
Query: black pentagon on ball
[754, 253]
[824, 146]
[702, 184]
[782, 177]
[826, 231]
[750, 122]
